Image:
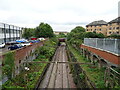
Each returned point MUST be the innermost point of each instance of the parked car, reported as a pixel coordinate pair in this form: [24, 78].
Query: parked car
[16, 46]
[11, 43]
[41, 39]
[2, 45]
[34, 41]
[26, 44]
[21, 41]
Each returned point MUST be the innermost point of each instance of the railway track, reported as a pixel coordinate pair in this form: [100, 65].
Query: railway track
[58, 74]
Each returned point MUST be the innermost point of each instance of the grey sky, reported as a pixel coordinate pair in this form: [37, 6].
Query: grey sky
[62, 15]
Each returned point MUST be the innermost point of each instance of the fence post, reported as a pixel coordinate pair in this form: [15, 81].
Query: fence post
[103, 43]
[115, 47]
[96, 42]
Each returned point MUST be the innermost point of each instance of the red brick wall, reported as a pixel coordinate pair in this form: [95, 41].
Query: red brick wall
[20, 54]
[106, 55]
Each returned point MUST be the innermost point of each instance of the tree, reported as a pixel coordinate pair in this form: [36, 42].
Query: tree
[77, 35]
[93, 35]
[44, 30]
[61, 35]
[78, 29]
[28, 32]
[114, 36]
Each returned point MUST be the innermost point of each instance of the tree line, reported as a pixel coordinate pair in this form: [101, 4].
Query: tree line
[43, 30]
[77, 35]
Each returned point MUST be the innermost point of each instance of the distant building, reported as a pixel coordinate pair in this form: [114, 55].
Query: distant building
[9, 33]
[97, 26]
[58, 32]
[114, 27]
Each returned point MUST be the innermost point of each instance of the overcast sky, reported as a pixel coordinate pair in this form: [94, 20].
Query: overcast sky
[62, 15]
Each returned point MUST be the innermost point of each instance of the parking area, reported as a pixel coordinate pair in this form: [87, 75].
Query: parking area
[18, 44]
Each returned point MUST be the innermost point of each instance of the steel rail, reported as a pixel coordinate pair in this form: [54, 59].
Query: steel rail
[57, 62]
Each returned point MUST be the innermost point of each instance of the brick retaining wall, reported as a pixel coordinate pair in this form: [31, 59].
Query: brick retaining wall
[22, 53]
[112, 58]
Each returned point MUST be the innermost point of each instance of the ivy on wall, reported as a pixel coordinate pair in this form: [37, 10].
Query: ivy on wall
[9, 65]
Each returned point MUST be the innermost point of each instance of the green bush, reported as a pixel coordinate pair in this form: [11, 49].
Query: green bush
[9, 65]
[82, 76]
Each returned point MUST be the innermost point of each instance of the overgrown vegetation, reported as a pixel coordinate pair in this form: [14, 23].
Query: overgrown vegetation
[114, 36]
[8, 64]
[75, 38]
[94, 74]
[28, 79]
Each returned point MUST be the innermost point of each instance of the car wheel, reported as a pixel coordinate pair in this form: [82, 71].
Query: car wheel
[9, 49]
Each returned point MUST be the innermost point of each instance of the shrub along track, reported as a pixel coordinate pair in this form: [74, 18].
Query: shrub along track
[58, 74]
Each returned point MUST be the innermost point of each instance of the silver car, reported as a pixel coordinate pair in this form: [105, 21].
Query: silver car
[2, 45]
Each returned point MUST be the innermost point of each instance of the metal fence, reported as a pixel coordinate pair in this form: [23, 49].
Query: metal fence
[107, 44]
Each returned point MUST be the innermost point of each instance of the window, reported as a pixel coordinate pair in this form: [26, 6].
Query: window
[117, 27]
[11, 31]
[0, 30]
[117, 32]
[7, 30]
[100, 29]
[109, 32]
[110, 24]
[113, 27]
[110, 28]
[117, 23]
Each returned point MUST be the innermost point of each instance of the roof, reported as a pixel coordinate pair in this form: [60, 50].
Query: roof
[100, 22]
[117, 20]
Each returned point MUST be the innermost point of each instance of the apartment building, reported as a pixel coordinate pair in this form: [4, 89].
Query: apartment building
[97, 26]
[113, 27]
[9, 33]
[106, 28]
